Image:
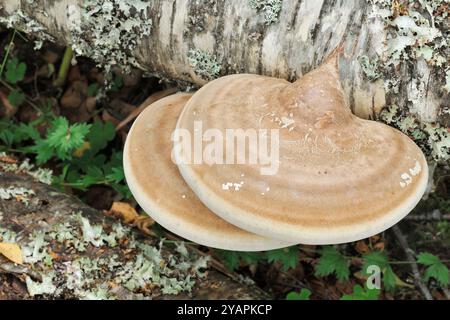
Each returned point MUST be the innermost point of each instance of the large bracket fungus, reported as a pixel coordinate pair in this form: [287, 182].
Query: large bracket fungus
[339, 178]
[332, 178]
[159, 188]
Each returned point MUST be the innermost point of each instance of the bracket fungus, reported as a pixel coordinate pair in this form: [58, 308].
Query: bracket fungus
[337, 178]
[158, 187]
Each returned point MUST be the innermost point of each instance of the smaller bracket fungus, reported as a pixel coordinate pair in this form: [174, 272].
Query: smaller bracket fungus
[336, 178]
[160, 190]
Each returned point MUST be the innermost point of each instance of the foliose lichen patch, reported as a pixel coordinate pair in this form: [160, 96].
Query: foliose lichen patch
[18, 193]
[204, 64]
[417, 38]
[108, 31]
[21, 21]
[270, 8]
[143, 269]
[432, 138]
[43, 175]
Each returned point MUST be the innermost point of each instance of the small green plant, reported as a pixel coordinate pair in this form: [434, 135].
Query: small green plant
[288, 257]
[435, 268]
[360, 293]
[76, 149]
[381, 260]
[332, 261]
[61, 140]
[304, 294]
[15, 71]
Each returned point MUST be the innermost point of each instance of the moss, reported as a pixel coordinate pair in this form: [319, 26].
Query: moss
[270, 8]
[204, 64]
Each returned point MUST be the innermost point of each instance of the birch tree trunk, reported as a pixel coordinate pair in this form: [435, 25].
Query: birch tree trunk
[239, 38]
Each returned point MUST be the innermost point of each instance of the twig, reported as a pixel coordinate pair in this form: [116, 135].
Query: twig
[154, 97]
[64, 67]
[410, 257]
[8, 49]
[27, 99]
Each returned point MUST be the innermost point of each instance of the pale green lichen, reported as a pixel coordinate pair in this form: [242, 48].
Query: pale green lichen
[36, 249]
[149, 267]
[109, 31]
[433, 138]
[40, 288]
[19, 193]
[21, 21]
[39, 174]
[7, 235]
[370, 67]
[416, 33]
[270, 8]
[204, 64]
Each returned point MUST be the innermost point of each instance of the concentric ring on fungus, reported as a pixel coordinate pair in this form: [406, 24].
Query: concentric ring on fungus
[340, 178]
[160, 190]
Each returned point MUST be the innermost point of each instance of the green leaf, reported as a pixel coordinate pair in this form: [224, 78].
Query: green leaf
[16, 97]
[287, 256]
[43, 150]
[304, 294]
[15, 71]
[116, 175]
[375, 258]
[65, 138]
[99, 135]
[359, 293]
[93, 89]
[26, 131]
[332, 261]
[123, 190]
[389, 279]
[250, 257]
[229, 258]
[435, 268]
[380, 259]
[7, 136]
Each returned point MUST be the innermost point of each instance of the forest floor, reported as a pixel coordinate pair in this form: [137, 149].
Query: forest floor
[46, 93]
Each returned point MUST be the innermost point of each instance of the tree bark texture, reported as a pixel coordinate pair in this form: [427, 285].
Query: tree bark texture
[241, 40]
[98, 270]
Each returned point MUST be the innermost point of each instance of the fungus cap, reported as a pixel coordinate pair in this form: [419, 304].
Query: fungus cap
[339, 178]
[160, 190]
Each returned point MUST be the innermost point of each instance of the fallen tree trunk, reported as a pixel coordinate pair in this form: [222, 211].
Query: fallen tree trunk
[195, 41]
[72, 251]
